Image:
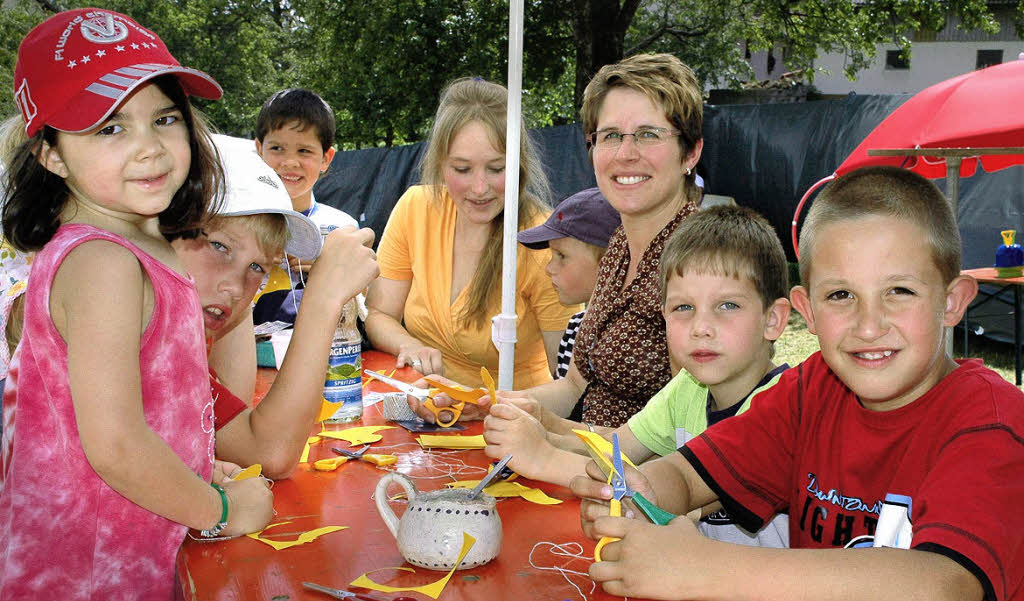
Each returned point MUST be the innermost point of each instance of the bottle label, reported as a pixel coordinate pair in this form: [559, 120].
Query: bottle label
[343, 383]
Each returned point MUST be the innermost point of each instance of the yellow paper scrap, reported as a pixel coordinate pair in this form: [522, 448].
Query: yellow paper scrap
[277, 280]
[357, 436]
[509, 489]
[250, 472]
[305, 537]
[432, 590]
[305, 449]
[456, 441]
[600, 449]
[326, 410]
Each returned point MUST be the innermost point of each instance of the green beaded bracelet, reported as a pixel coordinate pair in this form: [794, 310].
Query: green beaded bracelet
[223, 522]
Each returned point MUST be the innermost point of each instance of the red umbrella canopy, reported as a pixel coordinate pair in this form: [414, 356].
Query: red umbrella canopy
[976, 110]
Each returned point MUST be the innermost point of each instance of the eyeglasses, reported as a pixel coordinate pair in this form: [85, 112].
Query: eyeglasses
[645, 136]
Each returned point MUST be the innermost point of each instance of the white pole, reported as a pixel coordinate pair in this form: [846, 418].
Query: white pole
[503, 326]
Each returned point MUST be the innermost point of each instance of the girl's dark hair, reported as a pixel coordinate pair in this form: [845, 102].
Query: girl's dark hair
[35, 197]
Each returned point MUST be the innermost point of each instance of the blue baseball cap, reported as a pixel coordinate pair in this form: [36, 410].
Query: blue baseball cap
[586, 216]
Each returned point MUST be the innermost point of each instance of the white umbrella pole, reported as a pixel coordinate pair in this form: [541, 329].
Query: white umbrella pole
[503, 326]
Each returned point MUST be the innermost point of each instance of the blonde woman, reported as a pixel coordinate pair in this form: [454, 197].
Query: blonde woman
[440, 254]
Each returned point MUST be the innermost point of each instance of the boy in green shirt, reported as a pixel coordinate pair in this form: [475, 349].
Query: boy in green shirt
[724, 280]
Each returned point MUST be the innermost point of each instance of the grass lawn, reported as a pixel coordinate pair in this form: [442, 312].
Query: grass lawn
[797, 343]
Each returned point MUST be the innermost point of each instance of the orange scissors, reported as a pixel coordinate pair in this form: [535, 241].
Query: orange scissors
[426, 395]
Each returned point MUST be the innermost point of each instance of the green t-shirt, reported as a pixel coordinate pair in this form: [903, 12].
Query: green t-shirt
[679, 412]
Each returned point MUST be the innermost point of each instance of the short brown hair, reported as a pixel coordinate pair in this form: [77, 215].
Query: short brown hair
[270, 229]
[728, 240]
[666, 81]
[889, 192]
[298, 108]
[464, 101]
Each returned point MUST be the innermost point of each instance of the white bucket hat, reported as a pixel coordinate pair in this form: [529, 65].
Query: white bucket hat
[253, 187]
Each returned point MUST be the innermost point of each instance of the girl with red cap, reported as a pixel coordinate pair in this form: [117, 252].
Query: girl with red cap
[108, 438]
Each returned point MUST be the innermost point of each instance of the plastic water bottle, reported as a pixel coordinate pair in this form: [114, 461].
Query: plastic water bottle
[343, 384]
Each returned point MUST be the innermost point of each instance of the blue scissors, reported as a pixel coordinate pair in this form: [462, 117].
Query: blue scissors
[620, 490]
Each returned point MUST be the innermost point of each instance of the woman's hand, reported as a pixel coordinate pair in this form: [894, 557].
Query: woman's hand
[423, 359]
[470, 412]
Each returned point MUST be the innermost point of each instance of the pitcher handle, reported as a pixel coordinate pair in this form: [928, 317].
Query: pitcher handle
[380, 496]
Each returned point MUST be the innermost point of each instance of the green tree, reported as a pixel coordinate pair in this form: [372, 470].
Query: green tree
[381, 64]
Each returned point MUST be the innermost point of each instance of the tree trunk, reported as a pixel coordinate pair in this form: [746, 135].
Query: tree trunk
[599, 31]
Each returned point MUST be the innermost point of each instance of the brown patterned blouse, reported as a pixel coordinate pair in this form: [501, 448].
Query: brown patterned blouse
[620, 347]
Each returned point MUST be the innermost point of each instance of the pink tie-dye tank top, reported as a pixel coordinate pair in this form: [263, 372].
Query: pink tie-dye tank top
[64, 533]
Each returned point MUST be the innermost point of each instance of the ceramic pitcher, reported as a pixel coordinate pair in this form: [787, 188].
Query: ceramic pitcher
[429, 533]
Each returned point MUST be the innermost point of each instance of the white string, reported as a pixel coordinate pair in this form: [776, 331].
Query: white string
[563, 550]
[438, 463]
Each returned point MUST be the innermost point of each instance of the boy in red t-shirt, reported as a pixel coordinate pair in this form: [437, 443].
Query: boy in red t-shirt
[881, 440]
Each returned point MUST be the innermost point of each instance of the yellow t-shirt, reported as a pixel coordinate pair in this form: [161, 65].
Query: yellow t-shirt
[417, 245]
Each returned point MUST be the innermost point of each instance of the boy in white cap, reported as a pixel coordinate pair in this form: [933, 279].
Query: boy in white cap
[228, 261]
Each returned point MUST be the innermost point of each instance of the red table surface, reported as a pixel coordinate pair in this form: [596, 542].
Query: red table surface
[247, 569]
[989, 275]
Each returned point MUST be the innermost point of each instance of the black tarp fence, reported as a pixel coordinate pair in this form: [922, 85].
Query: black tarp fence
[763, 155]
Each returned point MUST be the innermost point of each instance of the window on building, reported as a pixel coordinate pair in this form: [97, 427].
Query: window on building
[987, 58]
[894, 59]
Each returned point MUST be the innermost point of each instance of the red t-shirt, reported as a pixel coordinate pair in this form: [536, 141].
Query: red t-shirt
[808, 447]
[226, 406]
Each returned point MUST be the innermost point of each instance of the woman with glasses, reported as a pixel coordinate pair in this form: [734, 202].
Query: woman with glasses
[440, 254]
[643, 120]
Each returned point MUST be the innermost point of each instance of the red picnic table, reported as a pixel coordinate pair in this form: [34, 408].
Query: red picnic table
[989, 275]
[247, 569]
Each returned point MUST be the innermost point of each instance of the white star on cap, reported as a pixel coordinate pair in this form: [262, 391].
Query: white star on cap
[119, 48]
[72, 64]
[135, 46]
[101, 53]
[85, 58]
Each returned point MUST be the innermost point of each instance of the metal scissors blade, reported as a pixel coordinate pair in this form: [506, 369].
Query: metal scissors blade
[619, 487]
[490, 476]
[420, 393]
[337, 593]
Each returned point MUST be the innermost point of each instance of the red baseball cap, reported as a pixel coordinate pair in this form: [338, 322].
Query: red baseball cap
[76, 67]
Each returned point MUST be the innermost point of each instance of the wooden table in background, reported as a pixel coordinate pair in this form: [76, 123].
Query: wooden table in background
[245, 569]
[988, 275]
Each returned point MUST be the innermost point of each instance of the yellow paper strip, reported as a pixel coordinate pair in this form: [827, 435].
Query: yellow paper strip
[600, 449]
[432, 590]
[509, 489]
[250, 472]
[440, 441]
[305, 450]
[303, 538]
[357, 436]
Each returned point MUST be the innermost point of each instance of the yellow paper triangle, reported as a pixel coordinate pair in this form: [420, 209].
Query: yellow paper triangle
[357, 436]
[303, 538]
[277, 280]
[457, 441]
[432, 590]
[326, 410]
[250, 472]
[509, 489]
